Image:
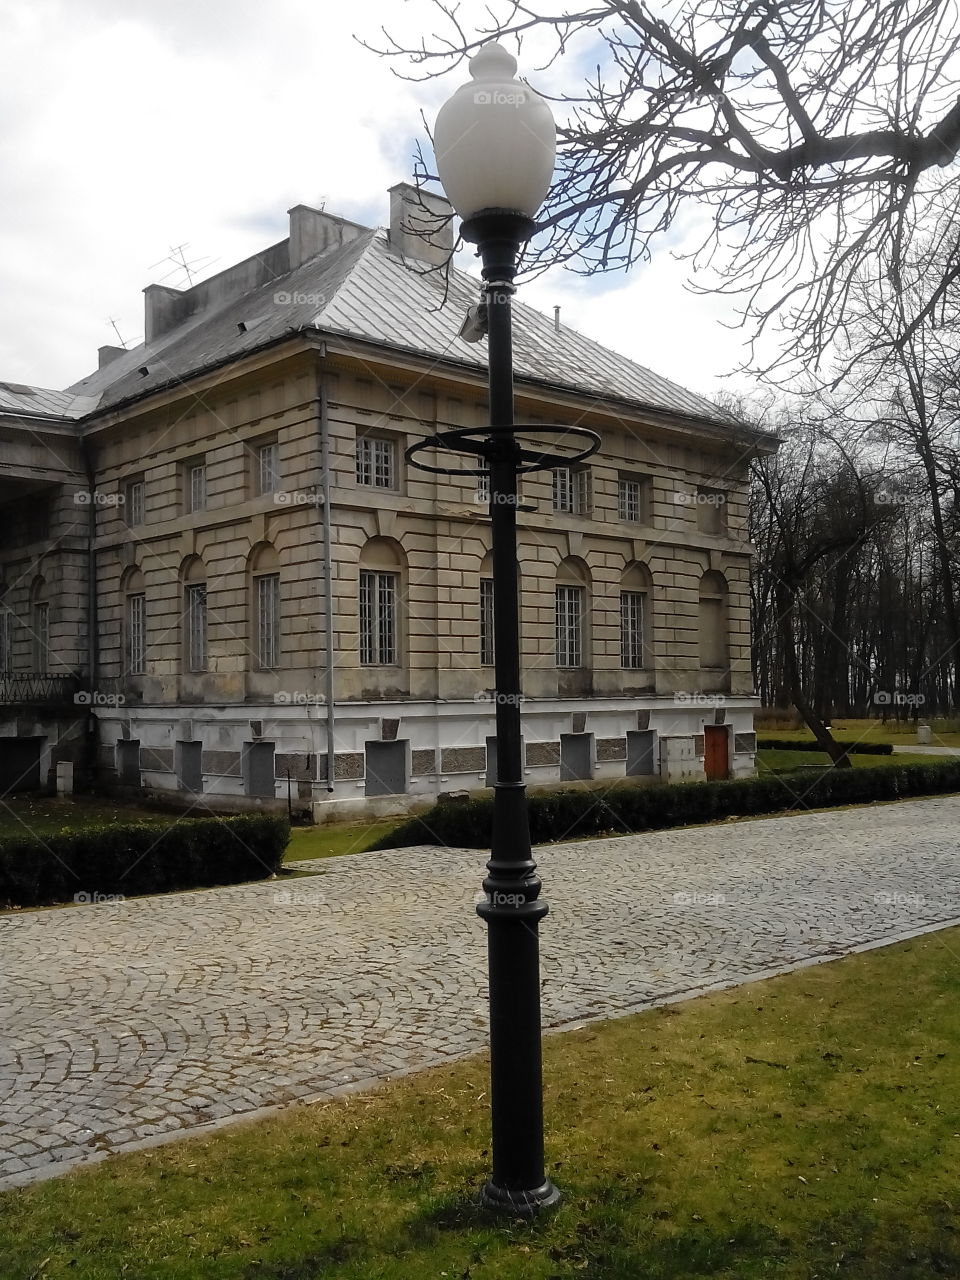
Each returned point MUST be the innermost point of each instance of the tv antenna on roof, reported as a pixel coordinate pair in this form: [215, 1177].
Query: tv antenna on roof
[178, 257]
[113, 325]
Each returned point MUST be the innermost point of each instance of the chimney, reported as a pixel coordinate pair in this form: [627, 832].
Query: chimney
[421, 224]
[312, 232]
[161, 311]
[107, 355]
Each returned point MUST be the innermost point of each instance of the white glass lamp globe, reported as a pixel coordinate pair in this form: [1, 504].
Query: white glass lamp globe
[495, 140]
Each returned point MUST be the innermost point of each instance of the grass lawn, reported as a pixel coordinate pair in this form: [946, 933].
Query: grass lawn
[330, 840]
[42, 815]
[814, 762]
[801, 1127]
[943, 732]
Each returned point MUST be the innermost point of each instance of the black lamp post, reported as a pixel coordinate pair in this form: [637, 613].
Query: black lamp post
[495, 144]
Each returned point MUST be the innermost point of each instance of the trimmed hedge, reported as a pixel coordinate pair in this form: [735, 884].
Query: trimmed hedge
[626, 807]
[124, 860]
[805, 744]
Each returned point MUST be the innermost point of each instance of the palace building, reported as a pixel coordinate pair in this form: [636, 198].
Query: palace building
[221, 580]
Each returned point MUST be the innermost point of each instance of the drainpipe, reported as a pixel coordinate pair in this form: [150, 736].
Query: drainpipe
[324, 427]
[92, 631]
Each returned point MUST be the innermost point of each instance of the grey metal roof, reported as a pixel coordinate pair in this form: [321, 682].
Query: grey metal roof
[364, 290]
[21, 401]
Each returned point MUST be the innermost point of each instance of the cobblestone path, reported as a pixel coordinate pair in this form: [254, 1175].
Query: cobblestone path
[133, 1021]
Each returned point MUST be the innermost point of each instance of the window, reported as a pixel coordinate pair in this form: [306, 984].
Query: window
[41, 636]
[136, 634]
[569, 626]
[196, 485]
[713, 621]
[487, 657]
[378, 618]
[632, 609]
[571, 490]
[196, 611]
[711, 511]
[268, 619]
[632, 492]
[483, 485]
[376, 462]
[268, 467]
[133, 500]
[6, 639]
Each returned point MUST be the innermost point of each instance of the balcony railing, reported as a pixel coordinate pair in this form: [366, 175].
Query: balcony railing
[26, 688]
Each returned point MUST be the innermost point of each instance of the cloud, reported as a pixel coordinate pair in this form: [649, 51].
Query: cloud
[133, 128]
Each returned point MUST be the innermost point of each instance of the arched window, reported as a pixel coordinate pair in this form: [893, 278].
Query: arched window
[264, 569]
[381, 578]
[714, 643]
[572, 613]
[194, 619]
[40, 625]
[635, 619]
[134, 661]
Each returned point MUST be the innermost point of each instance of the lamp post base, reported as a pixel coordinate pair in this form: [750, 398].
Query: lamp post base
[521, 1203]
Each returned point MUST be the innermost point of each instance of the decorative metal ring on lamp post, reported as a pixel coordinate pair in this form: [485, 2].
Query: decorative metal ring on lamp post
[479, 441]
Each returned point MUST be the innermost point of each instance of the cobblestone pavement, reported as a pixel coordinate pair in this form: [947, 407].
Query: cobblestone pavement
[136, 1020]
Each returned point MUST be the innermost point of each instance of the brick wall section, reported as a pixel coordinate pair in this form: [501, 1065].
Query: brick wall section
[611, 749]
[543, 753]
[223, 764]
[349, 764]
[423, 762]
[463, 760]
[156, 759]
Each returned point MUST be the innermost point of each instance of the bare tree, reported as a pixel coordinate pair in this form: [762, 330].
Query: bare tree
[806, 133]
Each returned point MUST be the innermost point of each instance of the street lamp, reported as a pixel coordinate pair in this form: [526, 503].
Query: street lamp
[495, 143]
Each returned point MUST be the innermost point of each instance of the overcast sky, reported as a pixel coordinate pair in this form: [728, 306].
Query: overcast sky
[131, 127]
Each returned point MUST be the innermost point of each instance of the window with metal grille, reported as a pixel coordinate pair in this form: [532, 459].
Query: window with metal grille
[632, 605]
[6, 640]
[376, 462]
[483, 485]
[196, 612]
[41, 637]
[631, 499]
[569, 626]
[571, 490]
[268, 468]
[134, 502]
[487, 655]
[197, 476]
[378, 619]
[268, 619]
[136, 634]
